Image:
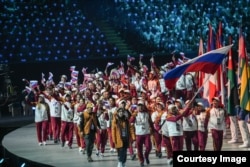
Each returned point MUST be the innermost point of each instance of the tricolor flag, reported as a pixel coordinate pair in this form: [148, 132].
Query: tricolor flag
[27, 89]
[109, 64]
[106, 68]
[219, 41]
[43, 80]
[74, 73]
[129, 58]
[244, 76]
[201, 75]
[214, 80]
[121, 68]
[222, 69]
[72, 68]
[208, 63]
[141, 56]
[144, 69]
[211, 39]
[33, 84]
[82, 87]
[50, 78]
[67, 85]
[232, 89]
[88, 77]
[84, 70]
[152, 63]
[74, 80]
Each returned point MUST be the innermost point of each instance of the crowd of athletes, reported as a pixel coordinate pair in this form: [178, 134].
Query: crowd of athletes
[158, 118]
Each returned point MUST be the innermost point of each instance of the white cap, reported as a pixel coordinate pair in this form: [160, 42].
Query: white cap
[126, 91]
[161, 103]
[97, 75]
[102, 91]
[115, 96]
[200, 104]
[141, 102]
[64, 76]
[121, 89]
[41, 95]
[216, 98]
[74, 89]
[171, 106]
[180, 101]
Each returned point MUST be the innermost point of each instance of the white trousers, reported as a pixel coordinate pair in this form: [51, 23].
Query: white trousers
[233, 127]
[244, 131]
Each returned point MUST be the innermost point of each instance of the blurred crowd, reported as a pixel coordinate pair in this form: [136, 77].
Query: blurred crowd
[32, 31]
[178, 25]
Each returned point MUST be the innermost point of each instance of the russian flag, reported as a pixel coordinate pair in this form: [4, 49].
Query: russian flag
[74, 73]
[33, 84]
[74, 80]
[208, 63]
[72, 68]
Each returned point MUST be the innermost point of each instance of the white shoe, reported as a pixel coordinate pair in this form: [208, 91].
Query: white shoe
[67, 142]
[44, 143]
[80, 149]
[170, 161]
[97, 153]
[245, 145]
[232, 141]
[40, 144]
[119, 164]
[102, 155]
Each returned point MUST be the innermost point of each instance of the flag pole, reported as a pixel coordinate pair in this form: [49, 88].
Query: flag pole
[200, 88]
